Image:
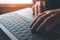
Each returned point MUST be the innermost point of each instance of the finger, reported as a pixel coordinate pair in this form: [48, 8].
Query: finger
[39, 7]
[43, 24]
[39, 20]
[33, 10]
[36, 9]
[36, 18]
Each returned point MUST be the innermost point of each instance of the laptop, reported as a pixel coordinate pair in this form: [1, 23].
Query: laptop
[16, 26]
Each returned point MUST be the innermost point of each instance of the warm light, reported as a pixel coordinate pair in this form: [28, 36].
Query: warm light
[15, 1]
[12, 5]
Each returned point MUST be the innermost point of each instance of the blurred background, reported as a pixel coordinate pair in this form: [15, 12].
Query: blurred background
[13, 5]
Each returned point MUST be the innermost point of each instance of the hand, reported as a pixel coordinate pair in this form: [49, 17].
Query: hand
[47, 21]
[38, 7]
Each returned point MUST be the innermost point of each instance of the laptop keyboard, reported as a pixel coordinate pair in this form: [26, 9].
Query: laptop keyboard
[16, 24]
[19, 26]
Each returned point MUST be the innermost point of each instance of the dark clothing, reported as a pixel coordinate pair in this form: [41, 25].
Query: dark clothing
[52, 4]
